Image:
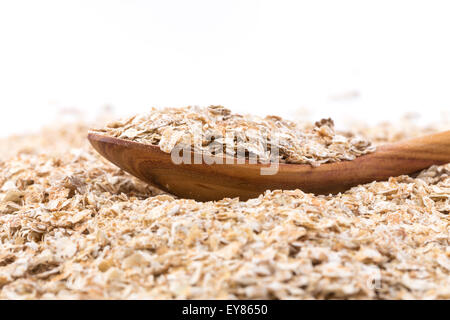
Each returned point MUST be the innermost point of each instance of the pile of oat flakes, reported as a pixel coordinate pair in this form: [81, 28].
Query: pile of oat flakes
[216, 130]
[74, 226]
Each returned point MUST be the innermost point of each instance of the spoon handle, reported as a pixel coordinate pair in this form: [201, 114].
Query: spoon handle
[390, 160]
[417, 153]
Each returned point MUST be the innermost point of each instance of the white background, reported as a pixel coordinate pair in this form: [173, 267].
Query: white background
[374, 60]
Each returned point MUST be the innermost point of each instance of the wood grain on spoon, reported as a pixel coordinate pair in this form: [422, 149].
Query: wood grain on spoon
[217, 181]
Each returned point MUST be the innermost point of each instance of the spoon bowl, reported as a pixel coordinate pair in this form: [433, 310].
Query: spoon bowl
[204, 182]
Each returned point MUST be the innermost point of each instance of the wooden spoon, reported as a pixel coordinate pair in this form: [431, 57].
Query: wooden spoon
[205, 182]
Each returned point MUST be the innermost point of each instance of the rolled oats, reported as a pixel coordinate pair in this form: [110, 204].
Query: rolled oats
[72, 225]
[215, 129]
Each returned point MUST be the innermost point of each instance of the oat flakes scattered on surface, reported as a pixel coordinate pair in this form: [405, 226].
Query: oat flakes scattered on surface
[74, 226]
[209, 130]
